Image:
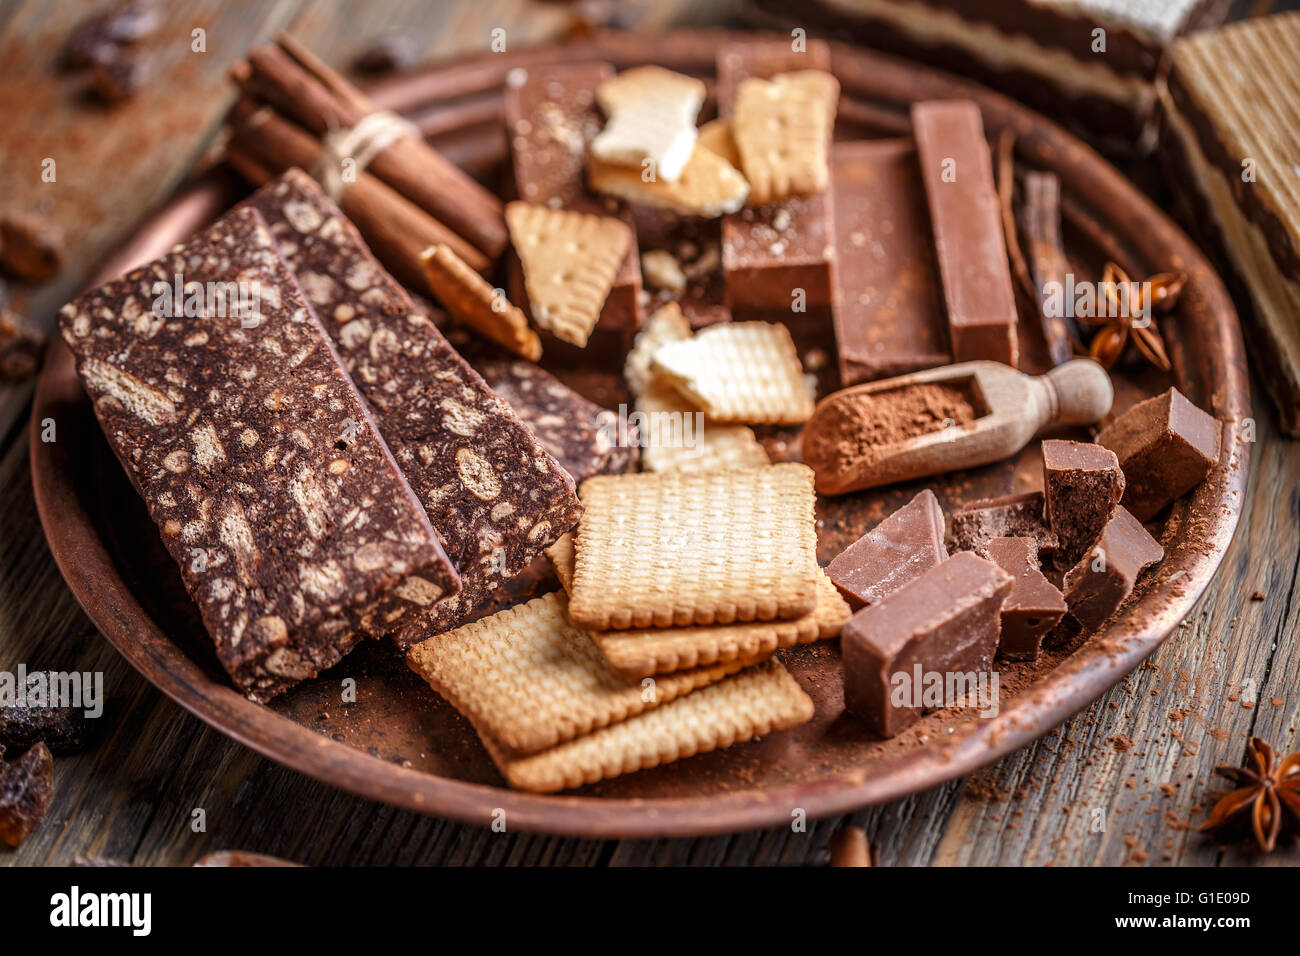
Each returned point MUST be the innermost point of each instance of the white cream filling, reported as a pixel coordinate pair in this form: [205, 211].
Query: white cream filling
[1276, 298]
[934, 27]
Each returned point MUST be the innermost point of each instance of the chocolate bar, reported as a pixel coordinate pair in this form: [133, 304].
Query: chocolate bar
[943, 623]
[780, 255]
[1105, 576]
[1044, 52]
[496, 497]
[903, 546]
[1084, 485]
[957, 170]
[1229, 118]
[551, 114]
[888, 317]
[1033, 607]
[1165, 446]
[585, 438]
[974, 525]
[294, 530]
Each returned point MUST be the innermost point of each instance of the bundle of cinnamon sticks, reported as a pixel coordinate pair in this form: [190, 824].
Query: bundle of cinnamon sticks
[399, 191]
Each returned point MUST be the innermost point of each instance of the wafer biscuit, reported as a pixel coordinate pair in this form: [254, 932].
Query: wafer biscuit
[569, 262]
[666, 324]
[749, 704]
[739, 372]
[708, 185]
[651, 121]
[713, 445]
[473, 302]
[782, 130]
[663, 550]
[715, 136]
[529, 679]
[640, 653]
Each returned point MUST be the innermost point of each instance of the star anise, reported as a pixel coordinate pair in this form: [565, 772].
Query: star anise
[1266, 788]
[1128, 301]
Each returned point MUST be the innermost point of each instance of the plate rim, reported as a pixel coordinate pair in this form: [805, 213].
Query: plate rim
[87, 567]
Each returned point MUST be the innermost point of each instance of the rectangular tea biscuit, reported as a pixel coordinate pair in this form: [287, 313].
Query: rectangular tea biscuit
[495, 496]
[702, 548]
[754, 702]
[529, 679]
[293, 528]
[641, 653]
[782, 130]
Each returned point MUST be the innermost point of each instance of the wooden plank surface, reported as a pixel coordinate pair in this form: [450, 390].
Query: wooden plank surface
[1118, 784]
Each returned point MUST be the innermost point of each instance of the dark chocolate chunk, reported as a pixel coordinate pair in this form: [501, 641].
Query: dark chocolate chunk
[943, 627]
[293, 527]
[21, 348]
[494, 494]
[1033, 607]
[974, 525]
[63, 729]
[1084, 484]
[26, 786]
[1166, 446]
[899, 549]
[31, 247]
[1105, 576]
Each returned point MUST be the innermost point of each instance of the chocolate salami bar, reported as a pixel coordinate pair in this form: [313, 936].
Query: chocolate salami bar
[294, 530]
[1093, 63]
[495, 496]
[1230, 115]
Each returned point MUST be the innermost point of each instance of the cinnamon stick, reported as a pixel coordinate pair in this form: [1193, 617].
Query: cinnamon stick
[396, 229]
[1040, 219]
[307, 91]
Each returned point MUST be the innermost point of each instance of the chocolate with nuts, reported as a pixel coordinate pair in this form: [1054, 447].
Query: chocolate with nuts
[495, 496]
[295, 532]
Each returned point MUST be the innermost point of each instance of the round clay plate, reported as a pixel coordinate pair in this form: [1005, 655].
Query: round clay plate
[400, 743]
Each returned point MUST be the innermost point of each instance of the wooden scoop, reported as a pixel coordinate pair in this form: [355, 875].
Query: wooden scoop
[922, 424]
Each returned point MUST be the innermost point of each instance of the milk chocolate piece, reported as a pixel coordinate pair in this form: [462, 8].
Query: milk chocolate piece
[943, 623]
[26, 786]
[957, 169]
[495, 496]
[899, 549]
[1034, 605]
[585, 438]
[1230, 112]
[1166, 446]
[974, 525]
[551, 115]
[1084, 485]
[888, 317]
[784, 252]
[294, 530]
[1104, 577]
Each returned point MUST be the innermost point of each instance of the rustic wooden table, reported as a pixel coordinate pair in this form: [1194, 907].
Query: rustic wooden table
[1142, 755]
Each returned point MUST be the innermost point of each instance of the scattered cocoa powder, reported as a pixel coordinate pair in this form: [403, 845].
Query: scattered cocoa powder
[1122, 742]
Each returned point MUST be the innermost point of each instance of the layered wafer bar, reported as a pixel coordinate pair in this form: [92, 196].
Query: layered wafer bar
[295, 532]
[888, 317]
[1231, 114]
[775, 252]
[494, 494]
[957, 170]
[1095, 64]
[551, 116]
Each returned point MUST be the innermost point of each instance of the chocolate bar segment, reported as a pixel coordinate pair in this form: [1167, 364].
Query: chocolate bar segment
[1033, 607]
[1104, 578]
[899, 549]
[943, 624]
[888, 317]
[1165, 446]
[781, 254]
[1230, 112]
[974, 525]
[495, 496]
[294, 530]
[957, 170]
[1084, 485]
[551, 115]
